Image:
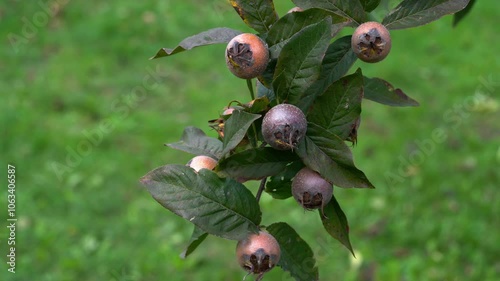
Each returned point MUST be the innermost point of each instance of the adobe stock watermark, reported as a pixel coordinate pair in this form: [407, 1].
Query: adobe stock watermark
[453, 118]
[32, 25]
[120, 109]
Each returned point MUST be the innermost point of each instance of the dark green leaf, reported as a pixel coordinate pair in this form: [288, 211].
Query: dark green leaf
[351, 9]
[370, 5]
[338, 59]
[236, 127]
[383, 92]
[280, 185]
[300, 61]
[462, 13]
[209, 37]
[296, 256]
[291, 23]
[263, 91]
[411, 13]
[255, 164]
[340, 105]
[195, 141]
[257, 14]
[197, 238]
[221, 207]
[335, 223]
[327, 154]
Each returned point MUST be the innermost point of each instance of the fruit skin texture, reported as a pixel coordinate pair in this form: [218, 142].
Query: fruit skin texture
[310, 190]
[247, 56]
[202, 162]
[371, 42]
[284, 126]
[258, 253]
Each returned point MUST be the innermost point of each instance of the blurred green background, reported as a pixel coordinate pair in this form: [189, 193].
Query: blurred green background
[85, 114]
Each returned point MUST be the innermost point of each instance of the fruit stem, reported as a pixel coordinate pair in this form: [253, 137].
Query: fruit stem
[250, 88]
[261, 189]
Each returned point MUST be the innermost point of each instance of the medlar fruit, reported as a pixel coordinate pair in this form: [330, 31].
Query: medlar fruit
[202, 162]
[371, 42]
[258, 253]
[310, 190]
[247, 56]
[284, 126]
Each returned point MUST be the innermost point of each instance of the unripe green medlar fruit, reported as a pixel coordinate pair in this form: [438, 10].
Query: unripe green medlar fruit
[202, 162]
[311, 190]
[247, 56]
[284, 126]
[258, 253]
[371, 42]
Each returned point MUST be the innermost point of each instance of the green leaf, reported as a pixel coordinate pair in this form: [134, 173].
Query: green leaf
[287, 26]
[462, 13]
[221, 207]
[280, 185]
[236, 128]
[370, 5]
[197, 238]
[259, 14]
[195, 141]
[257, 105]
[335, 223]
[411, 13]
[213, 36]
[340, 106]
[255, 164]
[327, 154]
[381, 91]
[351, 9]
[263, 91]
[296, 256]
[300, 60]
[338, 59]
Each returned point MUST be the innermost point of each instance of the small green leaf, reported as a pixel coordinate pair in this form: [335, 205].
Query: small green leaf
[335, 223]
[340, 105]
[197, 238]
[351, 9]
[259, 15]
[236, 128]
[263, 91]
[300, 61]
[195, 141]
[280, 185]
[338, 59]
[213, 36]
[296, 256]
[221, 207]
[370, 5]
[381, 91]
[257, 105]
[327, 154]
[411, 13]
[255, 164]
[462, 13]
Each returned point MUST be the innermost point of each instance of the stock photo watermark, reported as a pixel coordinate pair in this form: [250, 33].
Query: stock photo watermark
[120, 110]
[452, 119]
[32, 25]
[11, 218]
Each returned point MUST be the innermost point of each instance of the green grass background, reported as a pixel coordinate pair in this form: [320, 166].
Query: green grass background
[76, 70]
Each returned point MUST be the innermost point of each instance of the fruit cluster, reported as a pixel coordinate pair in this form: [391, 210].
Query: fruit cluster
[291, 137]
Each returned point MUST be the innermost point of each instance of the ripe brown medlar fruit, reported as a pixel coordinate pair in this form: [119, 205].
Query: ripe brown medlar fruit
[311, 190]
[258, 253]
[371, 42]
[202, 162]
[247, 56]
[284, 126]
